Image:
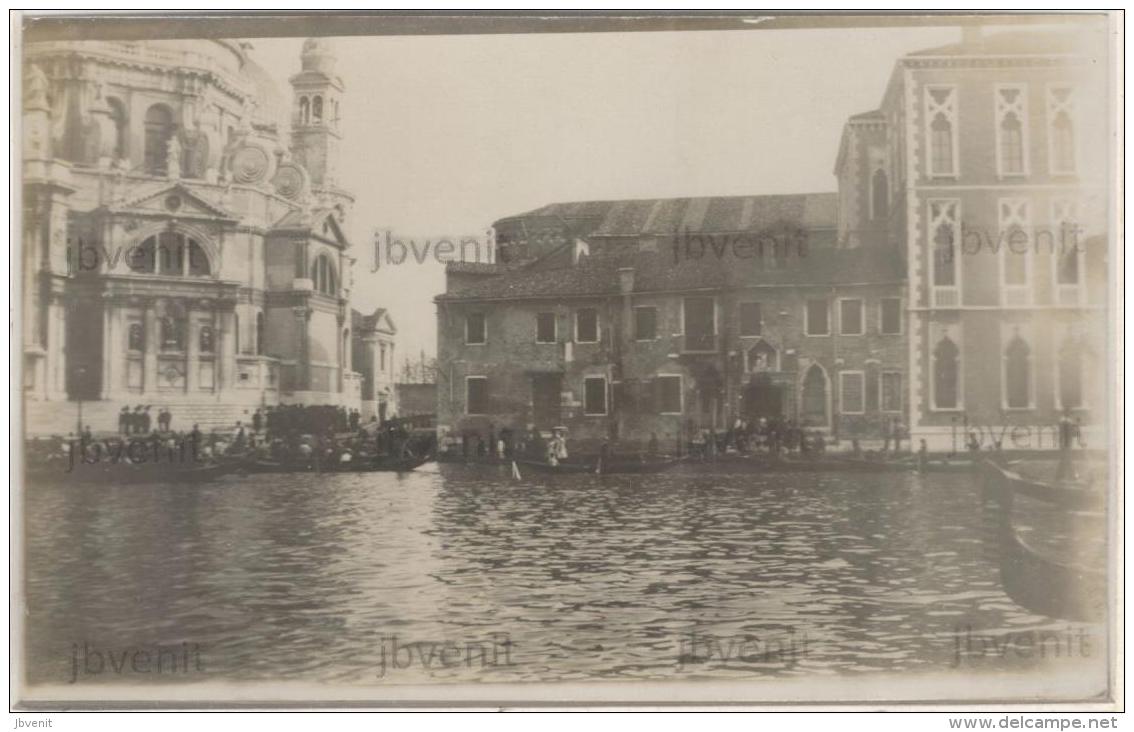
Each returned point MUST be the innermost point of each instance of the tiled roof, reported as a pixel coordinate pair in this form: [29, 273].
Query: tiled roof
[360, 323]
[695, 215]
[661, 271]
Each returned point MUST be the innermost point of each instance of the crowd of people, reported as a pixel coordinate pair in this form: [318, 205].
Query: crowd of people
[139, 421]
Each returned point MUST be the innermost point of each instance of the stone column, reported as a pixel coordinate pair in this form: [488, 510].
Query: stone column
[113, 351]
[149, 358]
[55, 357]
[303, 366]
[226, 353]
[192, 349]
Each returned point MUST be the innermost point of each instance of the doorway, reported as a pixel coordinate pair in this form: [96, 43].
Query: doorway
[763, 398]
[546, 390]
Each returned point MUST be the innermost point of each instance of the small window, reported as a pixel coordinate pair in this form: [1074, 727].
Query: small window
[749, 318]
[669, 394]
[586, 325]
[891, 391]
[545, 328]
[594, 395]
[476, 395]
[891, 316]
[205, 339]
[816, 318]
[645, 323]
[852, 392]
[475, 330]
[135, 339]
[850, 317]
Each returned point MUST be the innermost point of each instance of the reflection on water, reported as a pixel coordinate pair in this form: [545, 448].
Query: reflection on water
[459, 573]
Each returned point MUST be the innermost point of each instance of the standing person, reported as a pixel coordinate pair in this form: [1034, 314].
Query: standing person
[887, 433]
[137, 420]
[922, 455]
[257, 421]
[124, 421]
[146, 420]
[355, 418]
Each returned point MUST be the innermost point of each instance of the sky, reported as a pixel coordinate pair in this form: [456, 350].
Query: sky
[442, 135]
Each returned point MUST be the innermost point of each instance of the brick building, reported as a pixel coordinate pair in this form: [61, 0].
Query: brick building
[622, 319]
[978, 164]
[956, 281]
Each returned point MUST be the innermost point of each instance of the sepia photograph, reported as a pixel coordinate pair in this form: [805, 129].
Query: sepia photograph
[508, 360]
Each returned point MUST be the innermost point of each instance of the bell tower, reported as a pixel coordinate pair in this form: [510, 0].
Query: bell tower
[316, 92]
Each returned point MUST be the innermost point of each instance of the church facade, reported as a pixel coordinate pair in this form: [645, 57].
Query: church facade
[183, 231]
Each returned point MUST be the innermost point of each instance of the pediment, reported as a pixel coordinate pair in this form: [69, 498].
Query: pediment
[170, 200]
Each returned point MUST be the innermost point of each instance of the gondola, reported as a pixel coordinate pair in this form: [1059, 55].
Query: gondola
[617, 465]
[126, 473]
[363, 464]
[1034, 580]
[1002, 480]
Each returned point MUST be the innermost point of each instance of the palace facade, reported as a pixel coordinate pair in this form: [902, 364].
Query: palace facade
[955, 282]
[183, 232]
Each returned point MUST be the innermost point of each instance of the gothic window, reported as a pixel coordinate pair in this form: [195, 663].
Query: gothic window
[317, 109]
[135, 339]
[158, 132]
[325, 275]
[205, 339]
[944, 221]
[880, 195]
[1015, 250]
[941, 112]
[169, 253]
[118, 119]
[1011, 140]
[304, 111]
[1061, 132]
[814, 399]
[259, 334]
[946, 375]
[1070, 381]
[1017, 374]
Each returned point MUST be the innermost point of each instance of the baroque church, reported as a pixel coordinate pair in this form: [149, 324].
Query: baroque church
[183, 234]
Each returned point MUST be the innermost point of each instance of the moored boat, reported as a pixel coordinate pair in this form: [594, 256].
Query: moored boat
[1035, 579]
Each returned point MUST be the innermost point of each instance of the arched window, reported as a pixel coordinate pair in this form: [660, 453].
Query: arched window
[941, 145]
[259, 334]
[946, 374]
[1011, 145]
[1070, 375]
[118, 119]
[159, 130]
[205, 340]
[136, 339]
[324, 275]
[880, 195]
[1017, 374]
[169, 253]
[335, 117]
[317, 109]
[944, 255]
[172, 332]
[814, 400]
[304, 111]
[1063, 143]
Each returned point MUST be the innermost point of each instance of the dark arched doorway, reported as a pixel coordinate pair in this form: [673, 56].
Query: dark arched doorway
[763, 398]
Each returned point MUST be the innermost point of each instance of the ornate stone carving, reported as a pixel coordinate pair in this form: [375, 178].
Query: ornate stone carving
[250, 164]
[290, 181]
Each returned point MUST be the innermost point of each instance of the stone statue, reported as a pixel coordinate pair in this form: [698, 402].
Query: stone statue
[173, 157]
[35, 88]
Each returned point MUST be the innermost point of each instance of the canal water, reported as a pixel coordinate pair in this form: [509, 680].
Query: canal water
[457, 573]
